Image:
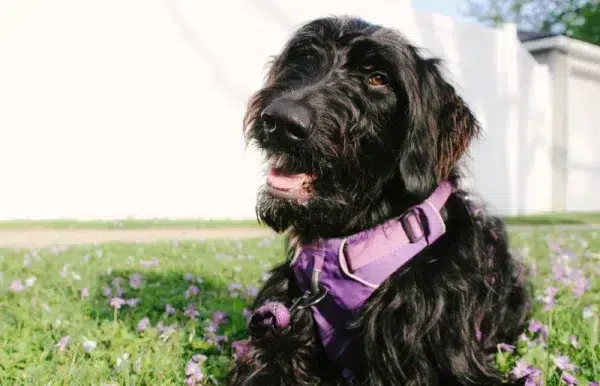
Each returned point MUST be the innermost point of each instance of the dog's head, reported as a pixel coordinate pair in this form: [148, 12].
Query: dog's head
[356, 126]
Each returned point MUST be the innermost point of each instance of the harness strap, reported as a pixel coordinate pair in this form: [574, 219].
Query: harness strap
[408, 234]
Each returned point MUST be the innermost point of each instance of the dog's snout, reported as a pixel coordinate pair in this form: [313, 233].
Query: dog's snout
[287, 120]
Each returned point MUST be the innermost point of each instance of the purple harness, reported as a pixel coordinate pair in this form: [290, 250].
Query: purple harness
[341, 274]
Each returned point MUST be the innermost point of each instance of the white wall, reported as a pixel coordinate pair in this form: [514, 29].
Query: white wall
[133, 108]
[575, 74]
[583, 187]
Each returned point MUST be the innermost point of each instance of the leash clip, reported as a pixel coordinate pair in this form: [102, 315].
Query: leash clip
[308, 299]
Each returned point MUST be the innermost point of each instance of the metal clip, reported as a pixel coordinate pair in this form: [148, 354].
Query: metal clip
[308, 299]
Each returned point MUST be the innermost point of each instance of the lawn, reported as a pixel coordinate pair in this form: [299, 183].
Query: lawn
[134, 314]
[558, 218]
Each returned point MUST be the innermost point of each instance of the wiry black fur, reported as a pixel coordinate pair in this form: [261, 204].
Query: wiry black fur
[377, 151]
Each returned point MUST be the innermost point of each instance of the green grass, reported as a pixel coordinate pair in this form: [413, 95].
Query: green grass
[34, 320]
[558, 218]
[569, 218]
[126, 224]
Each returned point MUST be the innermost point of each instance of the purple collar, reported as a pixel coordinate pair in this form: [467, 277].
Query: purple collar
[350, 269]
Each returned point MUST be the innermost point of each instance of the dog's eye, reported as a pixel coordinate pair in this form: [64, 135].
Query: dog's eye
[378, 79]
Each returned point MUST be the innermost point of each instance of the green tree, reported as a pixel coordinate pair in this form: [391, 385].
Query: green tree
[579, 19]
[587, 27]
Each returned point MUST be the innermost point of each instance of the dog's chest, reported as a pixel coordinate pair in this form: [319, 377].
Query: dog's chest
[318, 269]
[342, 273]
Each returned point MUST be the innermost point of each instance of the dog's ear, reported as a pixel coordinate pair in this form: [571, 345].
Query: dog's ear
[457, 126]
[439, 128]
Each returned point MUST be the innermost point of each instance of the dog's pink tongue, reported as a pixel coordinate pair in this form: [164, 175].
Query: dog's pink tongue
[286, 182]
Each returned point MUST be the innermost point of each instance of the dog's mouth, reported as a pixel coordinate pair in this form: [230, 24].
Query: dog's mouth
[288, 181]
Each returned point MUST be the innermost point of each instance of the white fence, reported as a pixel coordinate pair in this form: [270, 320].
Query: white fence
[133, 108]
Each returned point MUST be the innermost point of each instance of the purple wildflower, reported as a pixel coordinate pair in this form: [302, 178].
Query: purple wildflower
[251, 291]
[580, 286]
[193, 290]
[218, 339]
[170, 310]
[568, 379]
[211, 328]
[593, 383]
[116, 302]
[107, 291]
[235, 287]
[132, 302]
[530, 374]
[193, 374]
[548, 303]
[143, 324]
[220, 317]
[551, 291]
[548, 298]
[506, 347]
[559, 271]
[554, 246]
[119, 291]
[478, 334]
[63, 342]
[191, 312]
[521, 370]
[534, 378]
[149, 263]
[535, 326]
[29, 282]
[563, 363]
[135, 281]
[189, 277]
[85, 292]
[240, 348]
[17, 286]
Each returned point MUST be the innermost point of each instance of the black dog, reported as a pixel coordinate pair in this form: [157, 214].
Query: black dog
[359, 128]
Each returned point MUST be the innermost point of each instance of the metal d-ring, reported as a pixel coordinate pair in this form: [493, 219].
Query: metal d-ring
[309, 299]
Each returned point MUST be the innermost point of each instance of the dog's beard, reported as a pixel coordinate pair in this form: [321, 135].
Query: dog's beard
[316, 195]
[318, 216]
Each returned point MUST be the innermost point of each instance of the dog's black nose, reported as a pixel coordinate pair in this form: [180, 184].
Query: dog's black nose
[287, 120]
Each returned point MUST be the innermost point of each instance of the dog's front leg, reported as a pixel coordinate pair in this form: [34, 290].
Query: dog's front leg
[279, 357]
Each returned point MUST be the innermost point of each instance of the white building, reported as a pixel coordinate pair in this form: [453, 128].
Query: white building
[115, 108]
